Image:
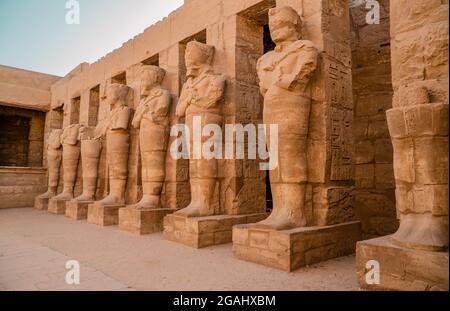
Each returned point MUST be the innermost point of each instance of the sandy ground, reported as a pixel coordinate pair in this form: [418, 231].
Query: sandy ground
[35, 245]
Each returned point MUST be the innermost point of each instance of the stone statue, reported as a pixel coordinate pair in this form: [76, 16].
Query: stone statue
[152, 118]
[70, 159]
[419, 131]
[116, 130]
[284, 76]
[90, 157]
[201, 97]
[54, 157]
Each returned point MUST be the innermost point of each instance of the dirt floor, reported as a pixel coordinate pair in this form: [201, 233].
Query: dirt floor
[35, 246]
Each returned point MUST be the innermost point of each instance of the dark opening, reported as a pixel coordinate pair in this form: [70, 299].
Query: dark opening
[269, 45]
[22, 137]
[121, 78]
[75, 110]
[94, 103]
[152, 61]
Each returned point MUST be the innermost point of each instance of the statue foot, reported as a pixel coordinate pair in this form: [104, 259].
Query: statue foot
[85, 198]
[277, 221]
[110, 200]
[48, 195]
[195, 209]
[422, 232]
[64, 196]
[148, 202]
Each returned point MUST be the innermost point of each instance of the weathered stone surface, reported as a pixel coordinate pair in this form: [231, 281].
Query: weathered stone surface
[292, 249]
[142, 221]
[402, 268]
[99, 214]
[77, 210]
[57, 206]
[200, 232]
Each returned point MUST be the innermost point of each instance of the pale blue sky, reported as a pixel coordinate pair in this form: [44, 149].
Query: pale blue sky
[34, 34]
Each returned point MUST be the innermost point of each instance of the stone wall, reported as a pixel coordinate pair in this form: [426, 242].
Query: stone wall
[19, 186]
[374, 194]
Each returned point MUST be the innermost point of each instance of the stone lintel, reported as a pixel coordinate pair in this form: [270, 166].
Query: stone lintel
[401, 268]
[199, 232]
[141, 222]
[291, 249]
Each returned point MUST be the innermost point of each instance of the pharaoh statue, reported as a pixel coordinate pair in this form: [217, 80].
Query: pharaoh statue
[70, 159]
[54, 157]
[116, 130]
[200, 98]
[285, 75]
[419, 132]
[152, 118]
[90, 157]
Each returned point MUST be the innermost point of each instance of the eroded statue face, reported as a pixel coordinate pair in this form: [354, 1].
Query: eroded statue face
[149, 79]
[114, 95]
[194, 61]
[282, 28]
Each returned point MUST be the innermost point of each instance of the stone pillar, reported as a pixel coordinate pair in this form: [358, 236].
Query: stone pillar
[416, 256]
[331, 227]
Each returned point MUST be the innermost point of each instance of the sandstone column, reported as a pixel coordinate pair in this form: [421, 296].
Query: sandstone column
[416, 256]
[54, 157]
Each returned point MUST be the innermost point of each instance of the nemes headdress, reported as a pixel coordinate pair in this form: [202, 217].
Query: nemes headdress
[289, 14]
[161, 73]
[206, 51]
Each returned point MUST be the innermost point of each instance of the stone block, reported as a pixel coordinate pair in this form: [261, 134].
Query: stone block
[41, 204]
[200, 232]
[77, 210]
[292, 249]
[401, 268]
[141, 222]
[57, 207]
[99, 214]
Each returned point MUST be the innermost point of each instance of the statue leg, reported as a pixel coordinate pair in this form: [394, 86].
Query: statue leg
[54, 163]
[90, 157]
[288, 181]
[118, 145]
[153, 176]
[71, 157]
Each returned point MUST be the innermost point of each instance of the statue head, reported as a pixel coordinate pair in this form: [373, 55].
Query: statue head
[116, 95]
[199, 56]
[285, 24]
[151, 76]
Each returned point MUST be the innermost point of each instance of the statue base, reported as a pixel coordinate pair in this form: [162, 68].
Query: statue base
[77, 210]
[401, 268]
[41, 204]
[103, 215]
[57, 207]
[199, 232]
[289, 250]
[144, 221]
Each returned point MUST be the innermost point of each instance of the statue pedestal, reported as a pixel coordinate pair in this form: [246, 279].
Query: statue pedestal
[103, 215]
[199, 232]
[402, 268]
[57, 207]
[41, 204]
[291, 249]
[77, 210]
[142, 222]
